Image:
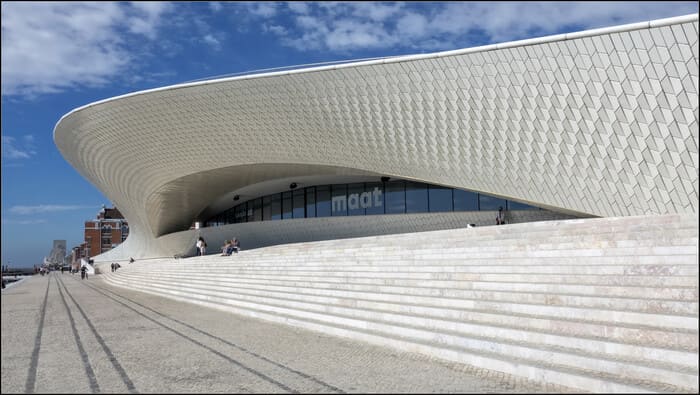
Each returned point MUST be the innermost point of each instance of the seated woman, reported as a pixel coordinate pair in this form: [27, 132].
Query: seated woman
[225, 248]
[234, 247]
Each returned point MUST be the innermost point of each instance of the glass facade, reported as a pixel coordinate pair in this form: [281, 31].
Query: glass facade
[368, 198]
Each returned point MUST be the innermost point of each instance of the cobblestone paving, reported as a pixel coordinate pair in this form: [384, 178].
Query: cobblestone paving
[120, 341]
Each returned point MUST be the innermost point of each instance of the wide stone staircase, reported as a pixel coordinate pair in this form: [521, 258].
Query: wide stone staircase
[600, 305]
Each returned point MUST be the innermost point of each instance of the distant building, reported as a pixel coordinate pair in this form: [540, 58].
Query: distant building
[57, 254]
[102, 234]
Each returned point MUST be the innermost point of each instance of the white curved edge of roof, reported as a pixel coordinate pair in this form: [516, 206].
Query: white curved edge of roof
[520, 43]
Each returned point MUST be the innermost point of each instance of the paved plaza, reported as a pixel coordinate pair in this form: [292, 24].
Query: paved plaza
[64, 334]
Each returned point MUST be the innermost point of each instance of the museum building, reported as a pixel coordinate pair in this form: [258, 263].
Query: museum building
[598, 123]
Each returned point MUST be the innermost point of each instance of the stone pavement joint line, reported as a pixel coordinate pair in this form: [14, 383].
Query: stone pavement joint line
[162, 345]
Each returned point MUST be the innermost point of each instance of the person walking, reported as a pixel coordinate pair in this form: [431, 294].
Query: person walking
[501, 216]
[198, 245]
[83, 272]
[203, 248]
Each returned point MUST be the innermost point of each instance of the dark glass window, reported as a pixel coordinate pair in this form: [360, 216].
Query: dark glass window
[257, 209]
[376, 198]
[310, 202]
[266, 212]
[395, 197]
[370, 198]
[339, 199]
[298, 203]
[323, 201]
[440, 199]
[355, 194]
[416, 197]
[519, 206]
[286, 205]
[276, 206]
[465, 200]
[487, 202]
[249, 211]
[240, 213]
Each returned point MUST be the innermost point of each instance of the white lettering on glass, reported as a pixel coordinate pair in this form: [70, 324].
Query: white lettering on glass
[356, 200]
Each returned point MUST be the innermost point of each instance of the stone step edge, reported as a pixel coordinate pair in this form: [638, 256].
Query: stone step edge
[547, 239]
[443, 261]
[539, 227]
[286, 282]
[279, 302]
[465, 247]
[228, 279]
[293, 251]
[475, 300]
[428, 248]
[469, 269]
[494, 312]
[358, 280]
[593, 279]
[544, 235]
[516, 367]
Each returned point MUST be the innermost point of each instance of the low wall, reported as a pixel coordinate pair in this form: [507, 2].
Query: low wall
[266, 233]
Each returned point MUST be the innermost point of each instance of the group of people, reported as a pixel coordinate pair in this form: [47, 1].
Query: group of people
[115, 266]
[230, 246]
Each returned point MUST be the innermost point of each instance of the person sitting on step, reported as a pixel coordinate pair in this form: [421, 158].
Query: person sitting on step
[225, 248]
[234, 247]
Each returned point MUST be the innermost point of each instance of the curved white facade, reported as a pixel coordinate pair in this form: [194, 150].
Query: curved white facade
[596, 123]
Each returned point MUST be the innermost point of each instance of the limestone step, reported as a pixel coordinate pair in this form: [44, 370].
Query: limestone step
[468, 239]
[524, 278]
[464, 271]
[368, 281]
[663, 291]
[681, 339]
[606, 304]
[483, 252]
[651, 239]
[660, 320]
[452, 258]
[634, 368]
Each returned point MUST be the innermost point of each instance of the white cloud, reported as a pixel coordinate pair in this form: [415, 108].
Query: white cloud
[211, 40]
[344, 26]
[412, 25]
[299, 7]
[506, 21]
[45, 208]
[351, 34]
[264, 9]
[49, 47]
[215, 6]
[11, 149]
[276, 29]
[375, 11]
[144, 17]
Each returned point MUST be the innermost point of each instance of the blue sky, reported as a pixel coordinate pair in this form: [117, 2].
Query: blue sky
[59, 56]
